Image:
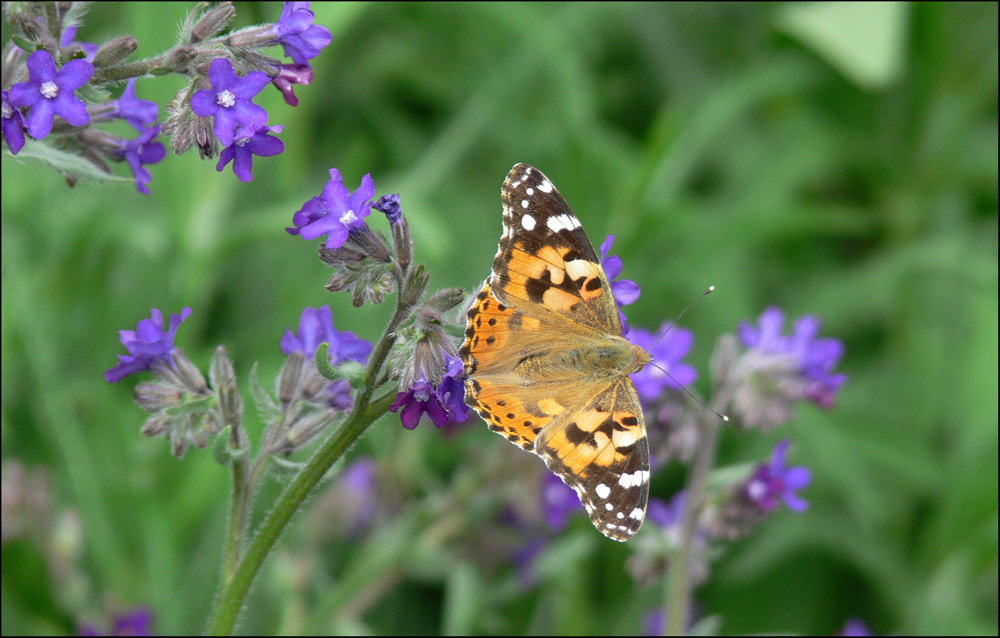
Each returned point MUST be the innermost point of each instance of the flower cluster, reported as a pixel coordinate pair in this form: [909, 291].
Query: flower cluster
[316, 327]
[443, 402]
[147, 344]
[53, 79]
[778, 371]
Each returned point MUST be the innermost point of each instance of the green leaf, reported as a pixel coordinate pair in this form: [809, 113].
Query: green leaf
[266, 406]
[866, 41]
[64, 162]
[222, 450]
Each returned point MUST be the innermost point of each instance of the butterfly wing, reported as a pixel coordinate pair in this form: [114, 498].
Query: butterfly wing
[601, 451]
[545, 261]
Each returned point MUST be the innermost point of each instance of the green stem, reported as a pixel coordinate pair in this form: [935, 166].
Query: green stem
[678, 576]
[236, 588]
[365, 412]
[238, 512]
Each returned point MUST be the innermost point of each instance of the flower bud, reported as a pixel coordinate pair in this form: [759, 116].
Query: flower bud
[212, 22]
[114, 51]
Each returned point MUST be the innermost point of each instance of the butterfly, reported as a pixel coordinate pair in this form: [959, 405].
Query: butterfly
[545, 363]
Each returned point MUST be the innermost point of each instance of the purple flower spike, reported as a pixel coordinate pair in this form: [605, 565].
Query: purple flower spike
[147, 344]
[141, 151]
[625, 291]
[335, 212]
[13, 125]
[559, 502]
[138, 113]
[49, 92]
[301, 39]
[290, 75]
[773, 482]
[242, 150]
[667, 354]
[316, 327]
[228, 101]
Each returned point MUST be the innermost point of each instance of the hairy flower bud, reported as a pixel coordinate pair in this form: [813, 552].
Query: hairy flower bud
[212, 22]
[116, 50]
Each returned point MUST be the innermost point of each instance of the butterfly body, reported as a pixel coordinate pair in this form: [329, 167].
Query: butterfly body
[545, 361]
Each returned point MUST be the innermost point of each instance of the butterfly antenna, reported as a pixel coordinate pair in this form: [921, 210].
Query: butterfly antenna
[670, 376]
[688, 307]
[688, 392]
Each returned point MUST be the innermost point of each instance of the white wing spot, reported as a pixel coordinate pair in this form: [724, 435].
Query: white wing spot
[637, 514]
[625, 480]
[545, 186]
[530, 191]
[528, 222]
[609, 506]
[620, 515]
[603, 490]
[524, 203]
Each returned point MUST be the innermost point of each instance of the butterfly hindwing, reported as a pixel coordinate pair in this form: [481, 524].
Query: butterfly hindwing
[601, 451]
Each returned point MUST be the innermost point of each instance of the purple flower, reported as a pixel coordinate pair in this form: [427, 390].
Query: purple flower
[316, 327]
[301, 39]
[667, 354]
[68, 37]
[242, 150]
[389, 204]
[49, 92]
[417, 400]
[667, 515]
[451, 391]
[559, 501]
[656, 622]
[147, 344]
[444, 404]
[335, 212]
[141, 151]
[525, 560]
[138, 622]
[855, 627]
[130, 108]
[625, 291]
[290, 75]
[772, 483]
[814, 358]
[13, 125]
[357, 483]
[229, 103]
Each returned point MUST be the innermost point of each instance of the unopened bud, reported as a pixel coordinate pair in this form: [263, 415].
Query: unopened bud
[212, 22]
[402, 242]
[114, 51]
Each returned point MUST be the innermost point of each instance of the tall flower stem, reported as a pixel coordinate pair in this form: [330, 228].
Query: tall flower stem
[678, 576]
[238, 513]
[365, 412]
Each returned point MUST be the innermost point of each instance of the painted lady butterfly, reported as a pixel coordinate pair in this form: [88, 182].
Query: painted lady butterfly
[545, 361]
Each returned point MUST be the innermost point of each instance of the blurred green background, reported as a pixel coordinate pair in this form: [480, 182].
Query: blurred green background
[839, 160]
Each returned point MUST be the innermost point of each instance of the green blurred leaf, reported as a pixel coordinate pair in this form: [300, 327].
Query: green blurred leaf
[866, 41]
